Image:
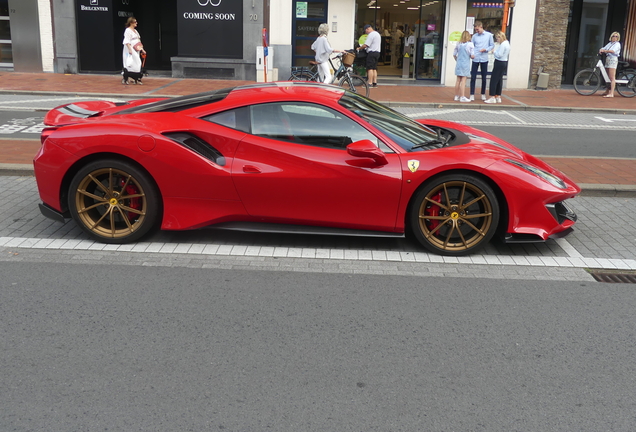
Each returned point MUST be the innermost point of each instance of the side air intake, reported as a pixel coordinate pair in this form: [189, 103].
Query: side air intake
[198, 146]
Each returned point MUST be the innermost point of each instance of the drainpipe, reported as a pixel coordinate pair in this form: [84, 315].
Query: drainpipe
[534, 42]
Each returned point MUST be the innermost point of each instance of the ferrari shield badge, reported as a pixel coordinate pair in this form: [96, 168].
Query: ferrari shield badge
[413, 165]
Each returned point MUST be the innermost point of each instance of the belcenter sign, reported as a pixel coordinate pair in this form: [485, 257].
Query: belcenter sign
[210, 28]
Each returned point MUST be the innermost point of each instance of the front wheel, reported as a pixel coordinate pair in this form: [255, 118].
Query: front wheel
[114, 201]
[454, 215]
[587, 82]
[629, 89]
[355, 83]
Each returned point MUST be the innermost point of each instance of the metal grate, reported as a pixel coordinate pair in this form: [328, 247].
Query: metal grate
[613, 277]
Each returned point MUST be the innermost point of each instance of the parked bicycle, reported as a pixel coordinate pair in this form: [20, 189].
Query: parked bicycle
[588, 81]
[344, 74]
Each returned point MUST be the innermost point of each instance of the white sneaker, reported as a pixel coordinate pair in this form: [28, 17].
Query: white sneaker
[498, 100]
[464, 99]
[456, 98]
[491, 100]
[483, 97]
[472, 97]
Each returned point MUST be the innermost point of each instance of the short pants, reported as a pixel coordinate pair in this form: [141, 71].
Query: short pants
[372, 60]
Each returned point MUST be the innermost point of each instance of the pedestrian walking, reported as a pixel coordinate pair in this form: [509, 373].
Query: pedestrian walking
[132, 51]
[463, 53]
[502, 51]
[484, 43]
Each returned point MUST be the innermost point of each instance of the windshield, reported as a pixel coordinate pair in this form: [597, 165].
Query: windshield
[402, 130]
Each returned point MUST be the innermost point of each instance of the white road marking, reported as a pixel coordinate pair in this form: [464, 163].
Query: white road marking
[515, 117]
[568, 248]
[615, 120]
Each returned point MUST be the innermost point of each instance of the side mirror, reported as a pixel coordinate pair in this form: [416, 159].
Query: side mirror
[367, 149]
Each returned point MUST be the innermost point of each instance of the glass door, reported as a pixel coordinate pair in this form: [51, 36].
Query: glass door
[307, 16]
[411, 31]
[6, 48]
[430, 32]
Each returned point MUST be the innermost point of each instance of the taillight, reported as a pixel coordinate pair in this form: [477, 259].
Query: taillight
[46, 132]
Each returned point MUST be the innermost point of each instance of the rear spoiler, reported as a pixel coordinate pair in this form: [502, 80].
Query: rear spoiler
[79, 111]
[75, 112]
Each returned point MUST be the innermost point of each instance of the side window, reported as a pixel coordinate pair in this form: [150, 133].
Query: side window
[307, 124]
[236, 119]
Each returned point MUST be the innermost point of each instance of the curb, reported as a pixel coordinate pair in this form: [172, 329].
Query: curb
[587, 189]
[498, 107]
[7, 169]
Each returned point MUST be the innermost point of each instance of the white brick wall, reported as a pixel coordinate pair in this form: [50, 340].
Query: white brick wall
[46, 35]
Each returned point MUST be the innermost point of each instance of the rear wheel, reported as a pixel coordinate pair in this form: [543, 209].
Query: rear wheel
[629, 89]
[302, 76]
[587, 82]
[454, 215]
[355, 83]
[114, 201]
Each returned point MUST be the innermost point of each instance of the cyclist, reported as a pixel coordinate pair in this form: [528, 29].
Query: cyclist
[323, 51]
[613, 50]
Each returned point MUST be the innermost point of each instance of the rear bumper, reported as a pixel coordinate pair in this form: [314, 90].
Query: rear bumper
[51, 213]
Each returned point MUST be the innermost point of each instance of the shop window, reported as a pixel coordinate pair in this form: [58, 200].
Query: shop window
[6, 48]
[491, 14]
[308, 15]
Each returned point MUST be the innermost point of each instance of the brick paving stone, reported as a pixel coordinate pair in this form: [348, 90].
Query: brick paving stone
[605, 233]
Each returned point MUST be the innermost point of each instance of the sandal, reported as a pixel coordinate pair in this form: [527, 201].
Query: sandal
[608, 96]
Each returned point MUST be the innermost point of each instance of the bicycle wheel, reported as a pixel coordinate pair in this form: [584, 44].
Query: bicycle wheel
[629, 89]
[303, 76]
[587, 82]
[355, 83]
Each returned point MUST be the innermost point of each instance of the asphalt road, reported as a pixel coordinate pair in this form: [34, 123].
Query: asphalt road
[171, 338]
[123, 348]
[547, 133]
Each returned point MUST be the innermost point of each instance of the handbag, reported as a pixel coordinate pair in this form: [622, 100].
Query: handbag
[138, 46]
[361, 54]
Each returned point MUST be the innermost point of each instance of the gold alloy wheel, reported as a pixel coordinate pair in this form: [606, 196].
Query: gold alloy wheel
[110, 203]
[456, 216]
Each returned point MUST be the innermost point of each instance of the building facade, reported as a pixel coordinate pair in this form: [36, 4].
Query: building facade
[223, 38]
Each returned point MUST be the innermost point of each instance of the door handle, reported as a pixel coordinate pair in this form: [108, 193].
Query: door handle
[251, 169]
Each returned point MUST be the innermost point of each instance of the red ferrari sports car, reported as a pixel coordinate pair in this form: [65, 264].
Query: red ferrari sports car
[292, 157]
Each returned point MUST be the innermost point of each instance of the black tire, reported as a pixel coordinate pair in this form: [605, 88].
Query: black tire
[627, 90]
[114, 201]
[302, 76]
[587, 82]
[454, 215]
[355, 83]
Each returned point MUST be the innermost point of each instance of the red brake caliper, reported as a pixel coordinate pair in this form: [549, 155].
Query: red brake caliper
[134, 203]
[433, 210]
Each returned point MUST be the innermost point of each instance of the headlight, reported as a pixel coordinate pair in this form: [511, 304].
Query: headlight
[550, 178]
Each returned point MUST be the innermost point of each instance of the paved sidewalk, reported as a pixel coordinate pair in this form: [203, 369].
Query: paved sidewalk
[596, 175]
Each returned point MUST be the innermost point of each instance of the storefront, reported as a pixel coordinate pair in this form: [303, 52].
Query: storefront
[193, 38]
[220, 38]
[6, 49]
[412, 36]
[416, 35]
[589, 25]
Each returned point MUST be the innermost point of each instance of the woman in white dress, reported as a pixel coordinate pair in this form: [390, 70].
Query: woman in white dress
[132, 49]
